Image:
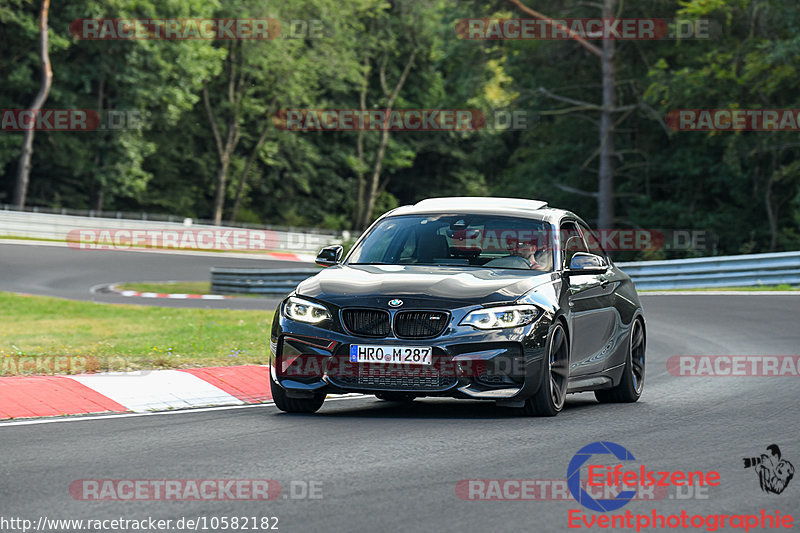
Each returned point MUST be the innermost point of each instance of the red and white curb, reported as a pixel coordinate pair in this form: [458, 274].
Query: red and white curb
[133, 392]
[282, 256]
[172, 296]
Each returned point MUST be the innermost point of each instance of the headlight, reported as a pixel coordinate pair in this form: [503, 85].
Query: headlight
[305, 311]
[509, 316]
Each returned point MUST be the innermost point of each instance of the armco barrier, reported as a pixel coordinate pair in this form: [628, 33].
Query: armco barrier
[57, 227]
[258, 281]
[721, 271]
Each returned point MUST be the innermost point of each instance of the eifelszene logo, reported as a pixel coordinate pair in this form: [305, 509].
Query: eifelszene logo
[601, 475]
[574, 477]
[774, 473]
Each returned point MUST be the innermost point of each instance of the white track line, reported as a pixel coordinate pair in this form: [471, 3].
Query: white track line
[719, 293]
[59, 420]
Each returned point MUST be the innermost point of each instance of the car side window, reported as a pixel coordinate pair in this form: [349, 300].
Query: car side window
[592, 242]
[571, 242]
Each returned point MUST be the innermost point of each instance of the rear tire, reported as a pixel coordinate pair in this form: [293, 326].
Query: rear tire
[631, 385]
[549, 399]
[294, 405]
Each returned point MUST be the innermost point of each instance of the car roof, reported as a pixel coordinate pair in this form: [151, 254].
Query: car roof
[535, 209]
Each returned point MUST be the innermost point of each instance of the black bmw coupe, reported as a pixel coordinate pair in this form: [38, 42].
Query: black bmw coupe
[496, 299]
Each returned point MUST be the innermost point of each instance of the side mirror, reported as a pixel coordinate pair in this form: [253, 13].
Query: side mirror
[330, 255]
[583, 263]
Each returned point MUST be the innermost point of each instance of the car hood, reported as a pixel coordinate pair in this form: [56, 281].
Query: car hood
[441, 287]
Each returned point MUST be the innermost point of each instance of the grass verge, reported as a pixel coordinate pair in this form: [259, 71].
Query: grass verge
[757, 288]
[170, 287]
[39, 334]
[18, 238]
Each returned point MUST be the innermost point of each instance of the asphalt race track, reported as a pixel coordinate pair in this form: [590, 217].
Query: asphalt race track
[383, 467]
[70, 273]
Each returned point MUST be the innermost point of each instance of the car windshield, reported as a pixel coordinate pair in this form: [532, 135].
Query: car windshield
[482, 241]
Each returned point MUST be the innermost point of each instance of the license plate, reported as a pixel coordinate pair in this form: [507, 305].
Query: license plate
[401, 355]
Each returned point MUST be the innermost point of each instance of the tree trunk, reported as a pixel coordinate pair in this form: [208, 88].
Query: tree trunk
[101, 193]
[24, 167]
[772, 215]
[99, 201]
[250, 160]
[243, 180]
[221, 180]
[222, 171]
[369, 208]
[605, 196]
[360, 200]
[605, 178]
[226, 149]
[372, 190]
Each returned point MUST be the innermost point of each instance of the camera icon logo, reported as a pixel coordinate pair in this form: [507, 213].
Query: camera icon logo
[774, 473]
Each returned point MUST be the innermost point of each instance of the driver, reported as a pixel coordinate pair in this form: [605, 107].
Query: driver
[527, 251]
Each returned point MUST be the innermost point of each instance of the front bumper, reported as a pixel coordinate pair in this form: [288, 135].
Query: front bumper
[502, 365]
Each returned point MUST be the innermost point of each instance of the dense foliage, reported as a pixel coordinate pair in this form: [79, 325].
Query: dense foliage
[743, 188]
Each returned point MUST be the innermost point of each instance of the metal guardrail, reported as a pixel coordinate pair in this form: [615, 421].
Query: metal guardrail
[722, 271]
[258, 281]
[57, 227]
[159, 217]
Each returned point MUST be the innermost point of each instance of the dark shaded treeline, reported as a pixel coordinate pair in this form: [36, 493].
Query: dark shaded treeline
[197, 137]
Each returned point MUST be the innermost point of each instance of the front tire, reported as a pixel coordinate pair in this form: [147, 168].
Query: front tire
[294, 405]
[549, 399]
[631, 385]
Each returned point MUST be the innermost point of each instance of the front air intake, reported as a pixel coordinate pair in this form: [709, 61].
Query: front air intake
[367, 322]
[420, 324]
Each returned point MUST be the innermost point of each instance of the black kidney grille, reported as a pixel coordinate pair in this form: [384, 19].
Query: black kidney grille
[420, 324]
[367, 322]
